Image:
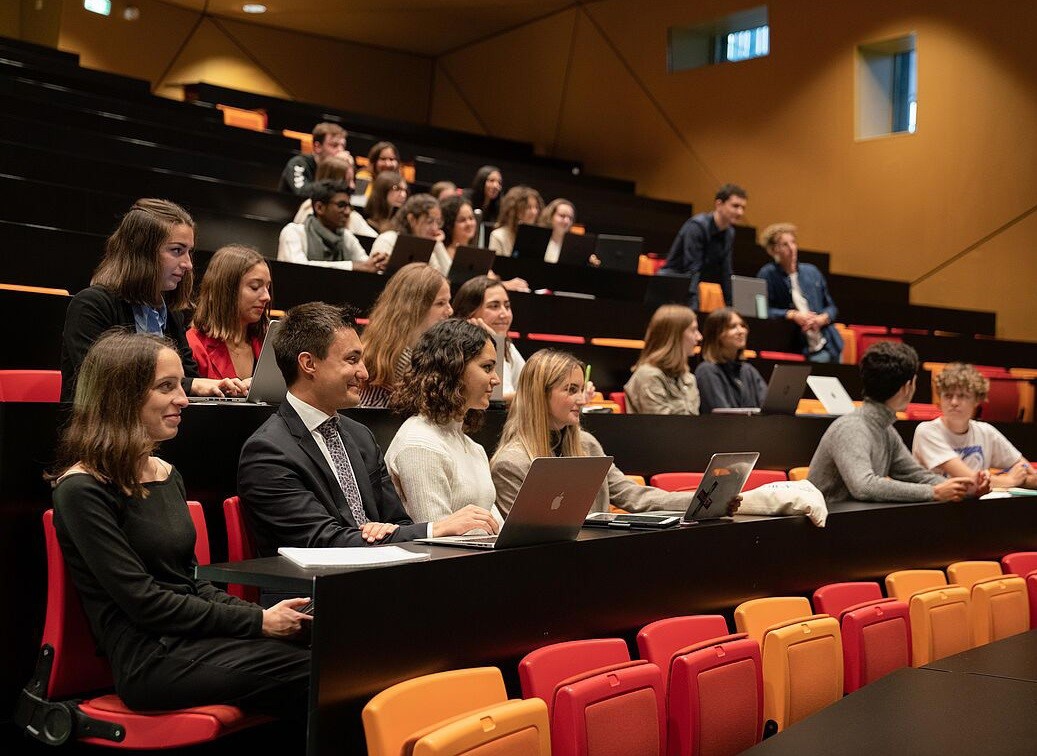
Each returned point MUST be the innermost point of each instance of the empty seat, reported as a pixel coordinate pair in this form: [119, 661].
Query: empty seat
[541, 670]
[939, 613]
[999, 603]
[513, 728]
[799, 473]
[1020, 562]
[756, 616]
[239, 546]
[30, 385]
[659, 641]
[876, 631]
[620, 400]
[395, 714]
[62, 702]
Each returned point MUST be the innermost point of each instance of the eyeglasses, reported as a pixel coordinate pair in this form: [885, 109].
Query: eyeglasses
[341, 204]
[399, 188]
[437, 222]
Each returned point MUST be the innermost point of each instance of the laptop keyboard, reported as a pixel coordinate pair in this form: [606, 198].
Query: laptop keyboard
[480, 539]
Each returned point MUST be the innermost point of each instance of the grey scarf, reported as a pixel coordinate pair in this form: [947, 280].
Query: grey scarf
[322, 243]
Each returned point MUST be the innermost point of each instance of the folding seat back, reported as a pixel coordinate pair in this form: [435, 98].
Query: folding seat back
[970, 573]
[240, 546]
[755, 616]
[393, 715]
[835, 598]
[1031, 590]
[903, 583]
[799, 473]
[876, 641]
[616, 711]
[940, 620]
[513, 728]
[30, 385]
[541, 671]
[715, 699]
[70, 668]
[802, 669]
[676, 481]
[1020, 563]
[1000, 607]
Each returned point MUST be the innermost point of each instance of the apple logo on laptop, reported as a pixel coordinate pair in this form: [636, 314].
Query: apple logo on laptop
[557, 501]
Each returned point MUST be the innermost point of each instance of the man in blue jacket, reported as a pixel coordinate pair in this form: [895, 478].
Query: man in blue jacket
[797, 291]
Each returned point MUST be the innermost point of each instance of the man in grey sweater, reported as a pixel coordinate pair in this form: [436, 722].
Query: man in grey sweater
[862, 458]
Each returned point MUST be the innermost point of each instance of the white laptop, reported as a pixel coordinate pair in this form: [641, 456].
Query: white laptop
[750, 296]
[830, 391]
[784, 390]
[555, 497]
[268, 385]
[722, 481]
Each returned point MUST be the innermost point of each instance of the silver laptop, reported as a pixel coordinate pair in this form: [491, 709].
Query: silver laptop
[267, 386]
[551, 505]
[830, 391]
[723, 480]
[750, 296]
[784, 390]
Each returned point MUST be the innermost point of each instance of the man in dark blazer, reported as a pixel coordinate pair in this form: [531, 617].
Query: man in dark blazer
[305, 482]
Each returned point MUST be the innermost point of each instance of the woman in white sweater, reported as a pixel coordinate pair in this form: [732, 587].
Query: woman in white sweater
[437, 468]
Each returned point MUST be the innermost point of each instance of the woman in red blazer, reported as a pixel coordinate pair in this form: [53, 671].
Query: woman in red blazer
[232, 315]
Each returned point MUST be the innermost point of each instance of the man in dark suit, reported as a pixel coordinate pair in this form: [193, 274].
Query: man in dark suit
[311, 477]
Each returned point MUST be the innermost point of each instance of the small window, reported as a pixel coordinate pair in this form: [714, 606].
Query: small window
[103, 7]
[739, 36]
[887, 87]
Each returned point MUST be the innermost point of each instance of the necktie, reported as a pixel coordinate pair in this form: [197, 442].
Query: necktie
[343, 470]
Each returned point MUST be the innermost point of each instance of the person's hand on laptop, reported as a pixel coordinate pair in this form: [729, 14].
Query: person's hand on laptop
[376, 531]
[463, 520]
[222, 387]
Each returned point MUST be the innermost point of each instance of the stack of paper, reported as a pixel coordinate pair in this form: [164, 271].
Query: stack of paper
[359, 556]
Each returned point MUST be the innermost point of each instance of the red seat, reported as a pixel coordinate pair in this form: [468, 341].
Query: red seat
[876, 631]
[688, 481]
[30, 385]
[922, 411]
[541, 670]
[51, 708]
[239, 546]
[620, 399]
[1002, 403]
[782, 356]
[556, 337]
[659, 641]
[1020, 562]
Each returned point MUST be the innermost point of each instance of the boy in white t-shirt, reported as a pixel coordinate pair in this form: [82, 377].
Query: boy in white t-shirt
[955, 444]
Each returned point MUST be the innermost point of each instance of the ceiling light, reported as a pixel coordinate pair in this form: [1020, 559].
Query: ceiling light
[253, 8]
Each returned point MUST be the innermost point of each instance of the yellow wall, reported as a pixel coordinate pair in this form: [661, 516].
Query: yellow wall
[169, 47]
[783, 126]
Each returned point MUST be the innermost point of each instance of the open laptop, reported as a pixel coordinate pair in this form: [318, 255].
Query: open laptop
[267, 386]
[409, 249]
[551, 505]
[722, 481]
[620, 252]
[784, 390]
[469, 262]
[830, 391]
[577, 249]
[750, 296]
[531, 241]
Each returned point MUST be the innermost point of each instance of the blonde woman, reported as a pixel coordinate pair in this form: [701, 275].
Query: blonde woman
[521, 204]
[544, 421]
[662, 384]
[415, 298]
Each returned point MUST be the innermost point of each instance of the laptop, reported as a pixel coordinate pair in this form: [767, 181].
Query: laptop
[750, 296]
[531, 242]
[469, 262]
[409, 249]
[551, 505]
[784, 390]
[830, 391]
[722, 481]
[577, 249]
[267, 386]
[621, 253]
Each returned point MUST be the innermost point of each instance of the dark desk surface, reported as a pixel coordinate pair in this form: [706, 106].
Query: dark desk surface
[1014, 657]
[921, 712]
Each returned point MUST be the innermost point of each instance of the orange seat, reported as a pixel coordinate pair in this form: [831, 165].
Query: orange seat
[619, 343]
[512, 728]
[305, 141]
[56, 705]
[999, 602]
[34, 289]
[800, 473]
[255, 120]
[939, 613]
[1025, 384]
[711, 296]
[757, 615]
[849, 356]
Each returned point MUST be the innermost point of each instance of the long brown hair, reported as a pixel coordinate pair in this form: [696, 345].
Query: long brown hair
[106, 435]
[379, 211]
[217, 313]
[396, 317]
[664, 340]
[129, 268]
[514, 205]
[528, 422]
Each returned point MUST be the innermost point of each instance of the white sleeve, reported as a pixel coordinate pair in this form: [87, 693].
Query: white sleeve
[384, 243]
[291, 247]
[497, 242]
[354, 249]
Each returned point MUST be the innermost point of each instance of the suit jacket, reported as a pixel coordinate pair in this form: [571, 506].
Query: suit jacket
[291, 496]
[212, 355]
[815, 290]
[93, 311]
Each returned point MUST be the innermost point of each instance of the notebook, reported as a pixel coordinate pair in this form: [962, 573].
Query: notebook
[357, 556]
[409, 249]
[267, 386]
[619, 252]
[469, 262]
[531, 242]
[577, 249]
[750, 296]
[722, 481]
[830, 391]
[551, 505]
[784, 390]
